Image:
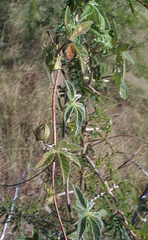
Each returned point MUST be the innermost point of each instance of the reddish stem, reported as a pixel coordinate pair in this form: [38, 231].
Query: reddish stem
[54, 141]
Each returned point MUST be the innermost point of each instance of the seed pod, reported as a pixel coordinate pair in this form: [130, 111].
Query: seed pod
[42, 132]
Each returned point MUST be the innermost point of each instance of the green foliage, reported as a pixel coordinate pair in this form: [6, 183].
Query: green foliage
[73, 105]
[87, 48]
[87, 217]
[61, 151]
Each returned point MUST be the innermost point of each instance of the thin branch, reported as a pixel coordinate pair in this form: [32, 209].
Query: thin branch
[99, 175]
[54, 142]
[142, 3]
[12, 206]
[17, 184]
[116, 136]
[129, 159]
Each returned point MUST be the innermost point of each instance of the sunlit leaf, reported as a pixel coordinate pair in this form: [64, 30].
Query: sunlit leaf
[65, 166]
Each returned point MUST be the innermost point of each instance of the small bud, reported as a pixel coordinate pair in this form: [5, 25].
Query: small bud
[42, 132]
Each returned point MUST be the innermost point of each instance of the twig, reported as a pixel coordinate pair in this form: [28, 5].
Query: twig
[12, 206]
[142, 3]
[54, 142]
[129, 159]
[102, 179]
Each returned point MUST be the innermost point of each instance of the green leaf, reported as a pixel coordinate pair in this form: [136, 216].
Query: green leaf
[79, 119]
[81, 224]
[45, 160]
[123, 90]
[81, 201]
[115, 34]
[97, 218]
[72, 157]
[68, 112]
[130, 2]
[65, 166]
[119, 69]
[81, 29]
[82, 54]
[87, 12]
[95, 229]
[68, 21]
[71, 91]
[69, 146]
[127, 56]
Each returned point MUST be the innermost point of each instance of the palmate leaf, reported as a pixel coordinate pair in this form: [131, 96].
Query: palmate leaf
[64, 165]
[45, 160]
[81, 201]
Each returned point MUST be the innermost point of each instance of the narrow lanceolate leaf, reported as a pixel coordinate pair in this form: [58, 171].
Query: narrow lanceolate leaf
[81, 224]
[68, 112]
[72, 157]
[123, 90]
[81, 202]
[73, 147]
[97, 218]
[127, 56]
[71, 91]
[67, 20]
[130, 2]
[65, 166]
[79, 120]
[69, 146]
[83, 28]
[120, 69]
[95, 229]
[87, 12]
[82, 55]
[45, 160]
